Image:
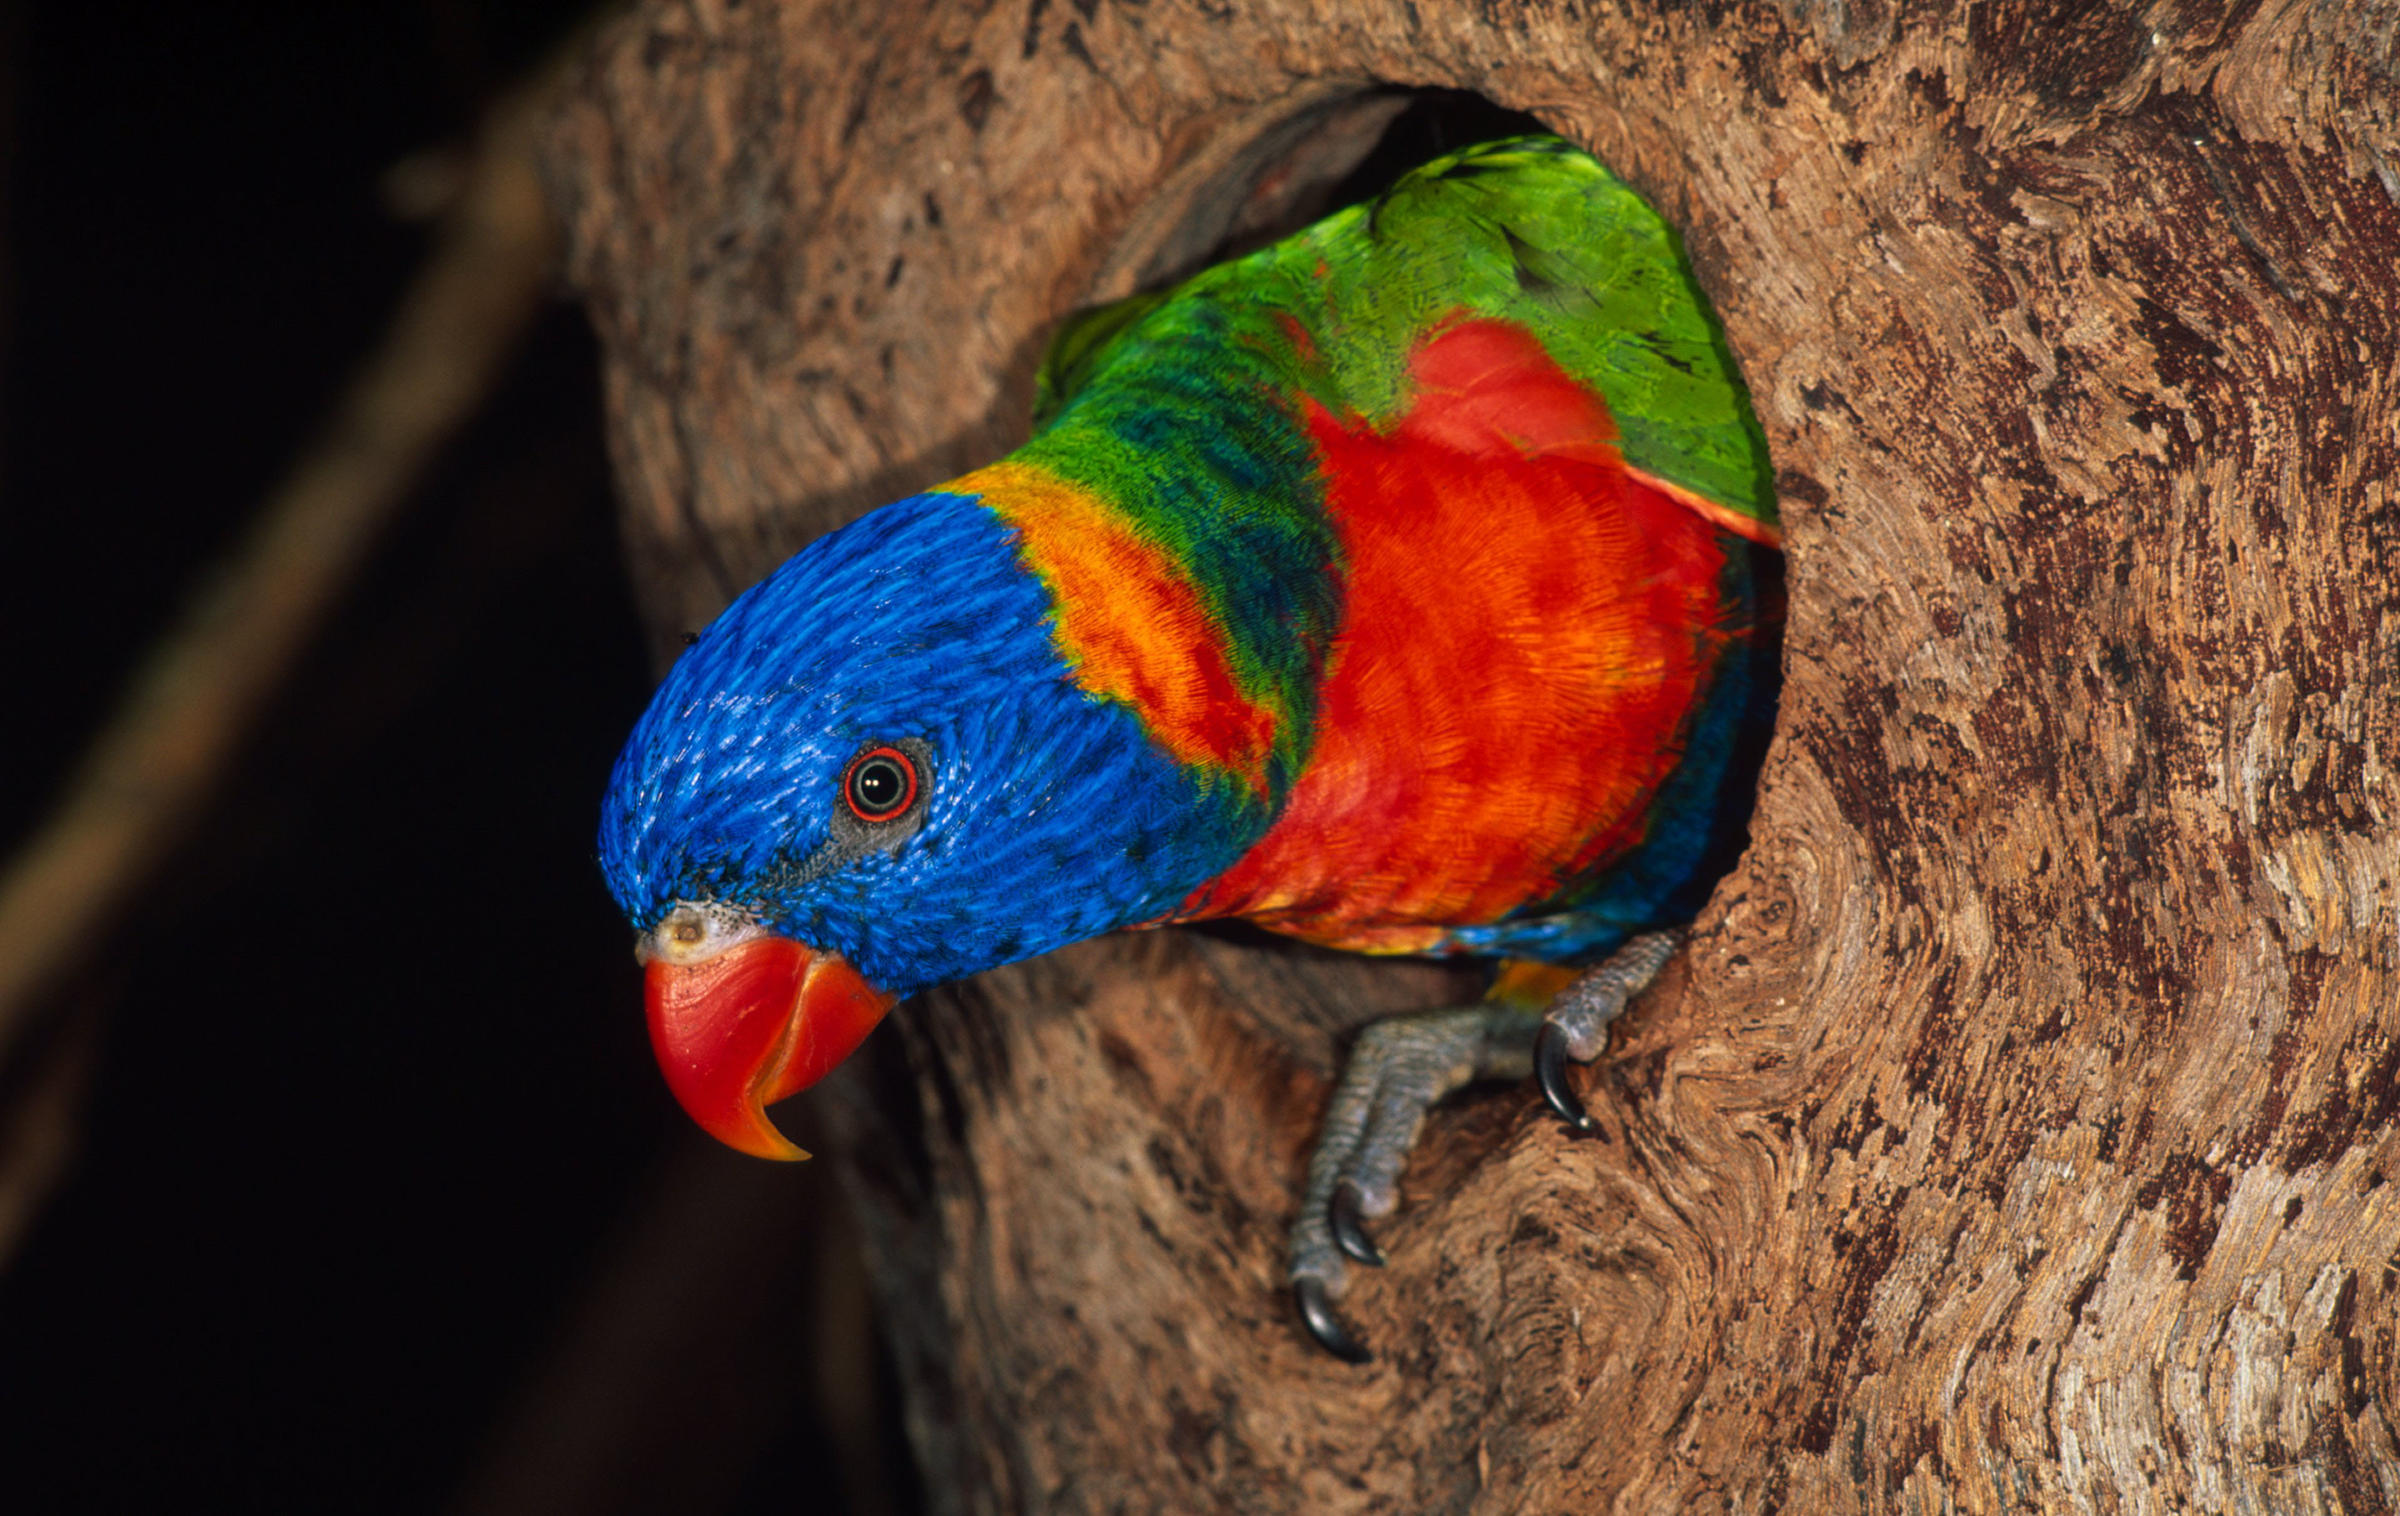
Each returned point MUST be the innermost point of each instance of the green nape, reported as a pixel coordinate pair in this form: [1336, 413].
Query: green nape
[1186, 428]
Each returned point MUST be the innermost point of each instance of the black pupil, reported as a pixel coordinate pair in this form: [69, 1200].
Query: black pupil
[877, 785]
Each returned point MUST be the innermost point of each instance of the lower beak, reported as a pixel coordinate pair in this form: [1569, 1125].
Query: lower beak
[764, 1019]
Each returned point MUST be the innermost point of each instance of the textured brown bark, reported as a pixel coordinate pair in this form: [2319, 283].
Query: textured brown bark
[2018, 1129]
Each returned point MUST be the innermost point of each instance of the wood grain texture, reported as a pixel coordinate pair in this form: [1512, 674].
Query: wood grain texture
[2018, 1130]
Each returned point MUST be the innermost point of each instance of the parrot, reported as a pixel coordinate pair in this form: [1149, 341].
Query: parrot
[1408, 585]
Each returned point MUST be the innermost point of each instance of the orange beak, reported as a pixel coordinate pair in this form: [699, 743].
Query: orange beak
[764, 1019]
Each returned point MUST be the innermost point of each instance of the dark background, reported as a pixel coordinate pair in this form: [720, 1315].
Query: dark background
[376, 1203]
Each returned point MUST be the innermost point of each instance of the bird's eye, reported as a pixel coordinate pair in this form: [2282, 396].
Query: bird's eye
[880, 784]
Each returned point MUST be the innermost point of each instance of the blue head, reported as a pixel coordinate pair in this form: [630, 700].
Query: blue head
[1007, 812]
[1041, 815]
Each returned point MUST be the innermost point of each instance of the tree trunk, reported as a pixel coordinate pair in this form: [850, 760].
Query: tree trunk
[2018, 1128]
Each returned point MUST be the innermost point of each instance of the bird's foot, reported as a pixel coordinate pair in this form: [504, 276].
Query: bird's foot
[1397, 1070]
[1576, 1024]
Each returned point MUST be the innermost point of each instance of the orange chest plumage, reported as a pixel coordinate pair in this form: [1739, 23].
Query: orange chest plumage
[1528, 628]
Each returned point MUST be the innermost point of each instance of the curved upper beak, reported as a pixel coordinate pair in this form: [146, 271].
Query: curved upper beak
[739, 1031]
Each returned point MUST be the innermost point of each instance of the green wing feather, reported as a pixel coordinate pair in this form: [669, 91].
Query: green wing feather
[1077, 347]
[1529, 230]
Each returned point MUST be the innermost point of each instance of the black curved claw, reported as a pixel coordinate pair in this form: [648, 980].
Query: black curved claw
[1349, 1226]
[1550, 1067]
[1323, 1325]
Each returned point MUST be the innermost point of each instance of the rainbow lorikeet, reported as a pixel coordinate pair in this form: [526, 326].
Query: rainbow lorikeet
[1397, 587]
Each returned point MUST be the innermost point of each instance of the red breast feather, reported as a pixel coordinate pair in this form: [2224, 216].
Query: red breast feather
[1528, 627]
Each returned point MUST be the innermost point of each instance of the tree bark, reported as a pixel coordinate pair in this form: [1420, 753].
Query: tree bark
[2018, 1129]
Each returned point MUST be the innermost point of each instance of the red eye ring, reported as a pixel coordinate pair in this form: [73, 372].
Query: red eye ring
[880, 784]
